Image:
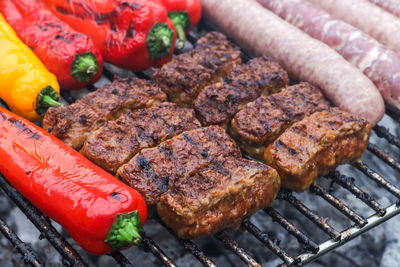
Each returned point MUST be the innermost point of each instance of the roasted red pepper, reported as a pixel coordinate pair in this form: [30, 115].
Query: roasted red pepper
[133, 34]
[185, 14]
[100, 212]
[66, 53]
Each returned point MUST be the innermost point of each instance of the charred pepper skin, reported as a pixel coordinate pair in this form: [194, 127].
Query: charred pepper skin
[185, 14]
[23, 77]
[91, 204]
[133, 34]
[68, 54]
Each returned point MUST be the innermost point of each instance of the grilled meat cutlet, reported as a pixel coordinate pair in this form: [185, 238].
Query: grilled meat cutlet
[118, 141]
[218, 102]
[218, 196]
[260, 122]
[187, 74]
[152, 171]
[316, 144]
[74, 123]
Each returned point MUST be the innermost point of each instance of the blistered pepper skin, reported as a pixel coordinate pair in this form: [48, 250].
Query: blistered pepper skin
[22, 75]
[57, 45]
[63, 184]
[121, 29]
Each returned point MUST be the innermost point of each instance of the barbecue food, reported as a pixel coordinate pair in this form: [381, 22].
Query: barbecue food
[367, 17]
[154, 170]
[185, 76]
[392, 6]
[316, 144]
[218, 196]
[217, 103]
[74, 123]
[87, 201]
[118, 141]
[271, 115]
[377, 62]
[306, 59]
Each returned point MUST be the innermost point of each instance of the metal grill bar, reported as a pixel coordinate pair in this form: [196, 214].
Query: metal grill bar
[384, 155]
[234, 247]
[273, 245]
[189, 246]
[393, 115]
[288, 226]
[27, 253]
[149, 245]
[382, 132]
[311, 215]
[121, 259]
[348, 183]
[108, 74]
[67, 96]
[43, 224]
[338, 204]
[377, 178]
[350, 234]
[91, 88]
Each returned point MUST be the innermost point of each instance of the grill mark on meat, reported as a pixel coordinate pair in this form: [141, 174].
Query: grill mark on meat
[185, 76]
[74, 123]
[116, 142]
[143, 163]
[273, 114]
[179, 157]
[218, 196]
[314, 145]
[219, 102]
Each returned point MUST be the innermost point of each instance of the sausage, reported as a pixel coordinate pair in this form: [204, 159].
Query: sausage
[367, 17]
[263, 33]
[392, 6]
[378, 63]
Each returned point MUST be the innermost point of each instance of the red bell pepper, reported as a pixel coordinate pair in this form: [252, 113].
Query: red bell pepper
[100, 212]
[185, 14]
[66, 53]
[133, 34]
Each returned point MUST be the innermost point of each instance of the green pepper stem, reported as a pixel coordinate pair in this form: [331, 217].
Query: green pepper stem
[47, 98]
[50, 102]
[159, 40]
[166, 41]
[181, 22]
[84, 67]
[181, 35]
[125, 231]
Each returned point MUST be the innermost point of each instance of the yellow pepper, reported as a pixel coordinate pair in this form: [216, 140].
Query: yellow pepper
[27, 87]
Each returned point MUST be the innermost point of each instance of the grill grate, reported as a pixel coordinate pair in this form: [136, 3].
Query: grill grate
[313, 250]
[28, 255]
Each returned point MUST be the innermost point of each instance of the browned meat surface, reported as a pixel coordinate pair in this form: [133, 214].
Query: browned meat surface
[154, 170]
[260, 122]
[218, 196]
[185, 75]
[218, 102]
[316, 144]
[118, 141]
[74, 123]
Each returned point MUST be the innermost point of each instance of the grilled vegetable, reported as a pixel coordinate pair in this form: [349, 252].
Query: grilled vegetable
[185, 14]
[70, 55]
[134, 34]
[99, 211]
[27, 87]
